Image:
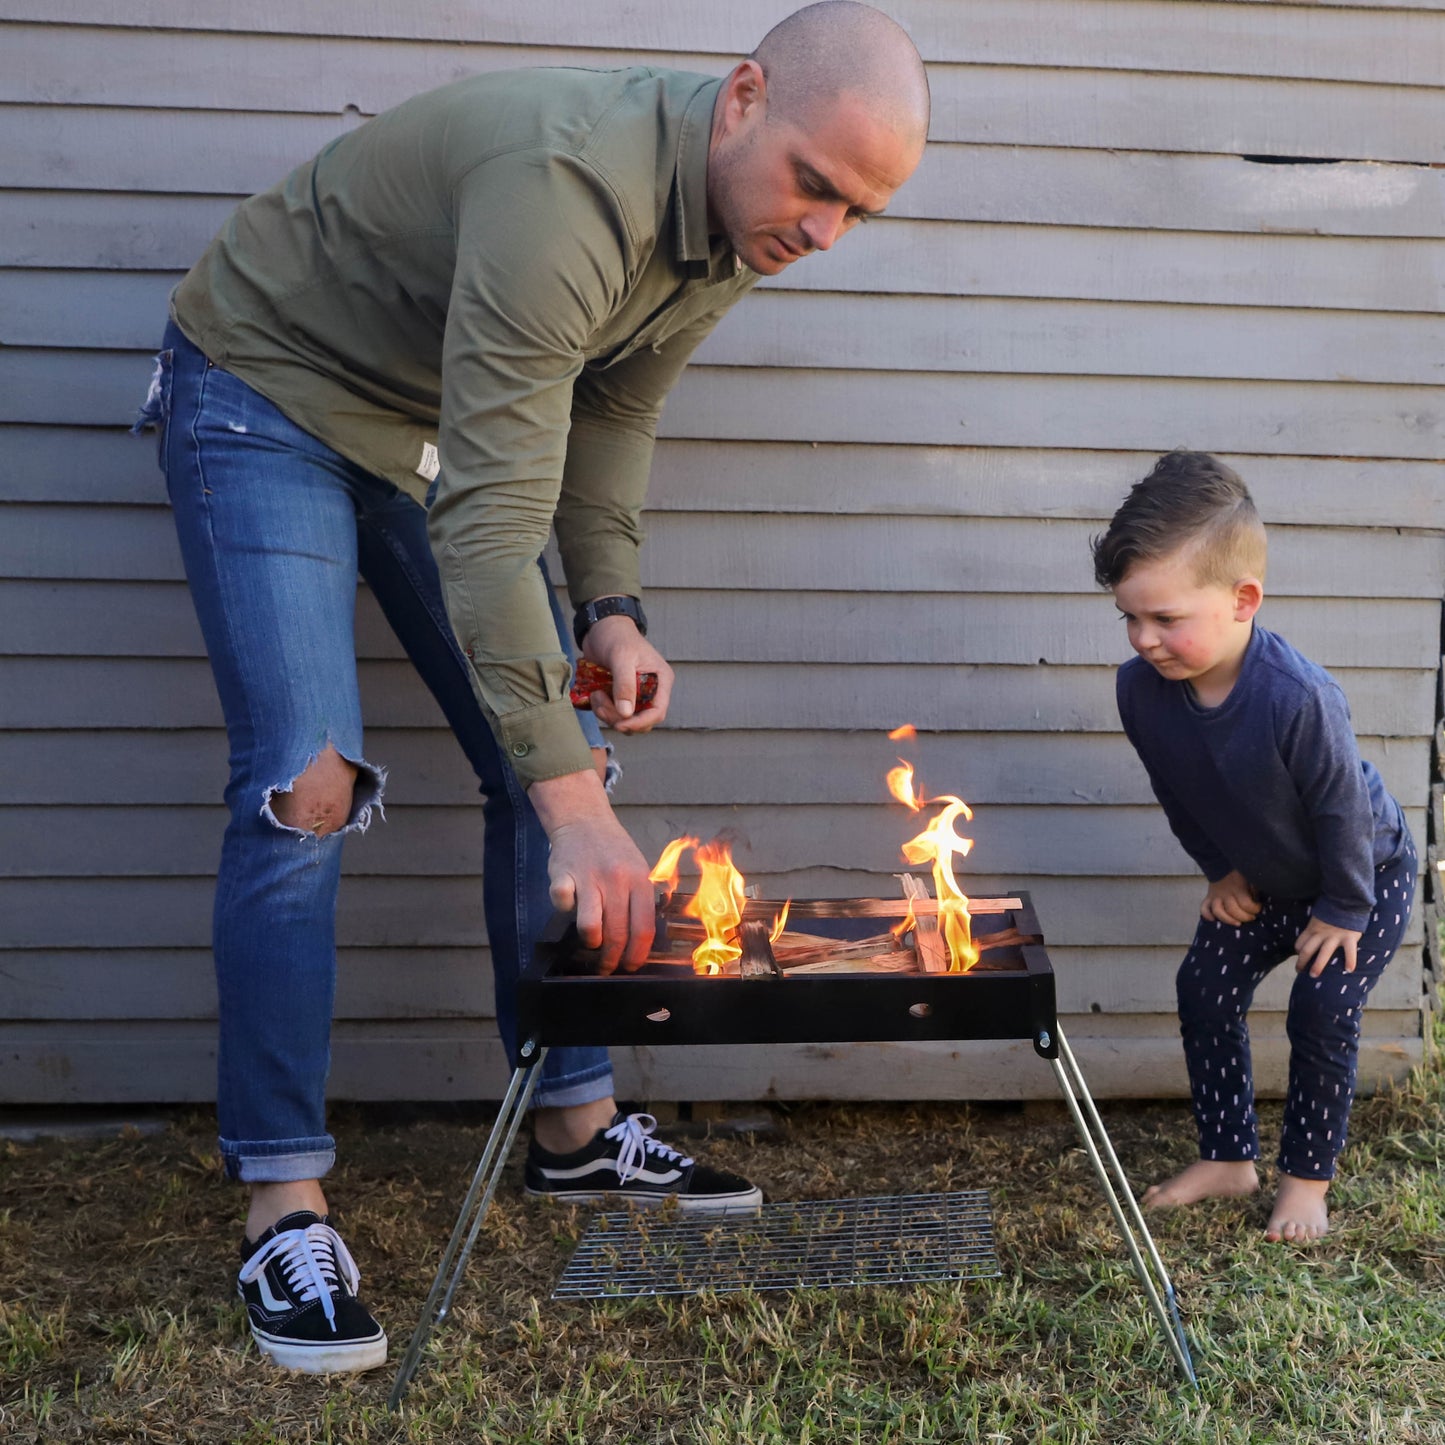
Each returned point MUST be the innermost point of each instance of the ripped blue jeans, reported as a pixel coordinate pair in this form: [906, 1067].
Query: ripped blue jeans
[274, 527]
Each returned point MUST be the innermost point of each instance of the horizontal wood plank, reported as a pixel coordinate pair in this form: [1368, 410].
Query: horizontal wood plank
[667, 768]
[118, 1063]
[765, 404]
[81, 841]
[964, 335]
[1289, 418]
[749, 552]
[425, 913]
[88, 465]
[175, 984]
[167, 693]
[99, 309]
[1040, 104]
[1401, 42]
[87, 230]
[963, 257]
[90, 148]
[156, 619]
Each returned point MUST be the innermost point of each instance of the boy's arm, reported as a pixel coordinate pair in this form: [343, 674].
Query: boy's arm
[1323, 758]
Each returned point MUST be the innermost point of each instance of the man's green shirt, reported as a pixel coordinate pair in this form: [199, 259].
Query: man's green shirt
[494, 285]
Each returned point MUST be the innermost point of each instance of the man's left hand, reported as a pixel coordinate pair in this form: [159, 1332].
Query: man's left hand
[616, 644]
[1318, 943]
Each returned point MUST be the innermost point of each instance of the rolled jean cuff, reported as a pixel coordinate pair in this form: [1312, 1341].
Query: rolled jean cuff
[567, 1093]
[278, 1161]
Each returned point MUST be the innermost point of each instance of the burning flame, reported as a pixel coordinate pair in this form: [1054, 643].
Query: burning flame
[902, 734]
[938, 844]
[718, 906]
[779, 922]
[900, 784]
[665, 871]
[718, 903]
[908, 925]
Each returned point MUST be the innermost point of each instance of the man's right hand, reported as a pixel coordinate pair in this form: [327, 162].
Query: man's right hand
[1231, 900]
[596, 869]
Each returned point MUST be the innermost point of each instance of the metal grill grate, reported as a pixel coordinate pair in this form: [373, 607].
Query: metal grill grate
[815, 1244]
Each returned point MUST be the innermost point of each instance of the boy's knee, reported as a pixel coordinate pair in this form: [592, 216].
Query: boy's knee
[320, 800]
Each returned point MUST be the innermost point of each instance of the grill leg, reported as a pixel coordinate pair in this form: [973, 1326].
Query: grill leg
[479, 1199]
[1157, 1286]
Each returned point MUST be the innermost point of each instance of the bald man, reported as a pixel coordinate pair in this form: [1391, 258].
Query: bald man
[452, 329]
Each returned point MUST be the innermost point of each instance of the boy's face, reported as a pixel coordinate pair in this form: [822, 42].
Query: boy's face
[1186, 630]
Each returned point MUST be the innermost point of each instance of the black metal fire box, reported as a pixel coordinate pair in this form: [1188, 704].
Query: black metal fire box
[1007, 994]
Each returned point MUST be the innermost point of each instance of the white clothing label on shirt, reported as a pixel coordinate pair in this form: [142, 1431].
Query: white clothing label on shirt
[431, 462]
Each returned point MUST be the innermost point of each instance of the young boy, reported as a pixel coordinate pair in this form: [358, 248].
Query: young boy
[1249, 749]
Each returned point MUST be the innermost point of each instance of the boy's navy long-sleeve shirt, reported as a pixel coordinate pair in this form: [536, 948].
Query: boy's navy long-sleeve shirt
[1269, 783]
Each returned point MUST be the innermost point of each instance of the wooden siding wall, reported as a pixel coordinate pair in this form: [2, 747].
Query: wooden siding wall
[872, 506]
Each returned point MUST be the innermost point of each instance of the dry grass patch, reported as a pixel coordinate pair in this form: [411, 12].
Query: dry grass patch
[117, 1321]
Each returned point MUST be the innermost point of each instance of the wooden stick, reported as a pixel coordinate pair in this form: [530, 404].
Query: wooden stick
[928, 942]
[899, 960]
[850, 907]
[757, 959]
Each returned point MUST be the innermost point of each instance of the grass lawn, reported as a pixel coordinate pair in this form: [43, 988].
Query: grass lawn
[117, 1320]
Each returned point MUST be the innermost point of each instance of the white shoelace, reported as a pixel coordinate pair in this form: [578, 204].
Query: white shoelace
[310, 1259]
[634, 1135]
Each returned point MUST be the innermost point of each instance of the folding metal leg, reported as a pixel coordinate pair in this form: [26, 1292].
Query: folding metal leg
[479, 1199]
[1091, 1129]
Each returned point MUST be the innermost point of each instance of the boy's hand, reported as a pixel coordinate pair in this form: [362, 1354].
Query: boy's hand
[1317, 945]
[1231, 900]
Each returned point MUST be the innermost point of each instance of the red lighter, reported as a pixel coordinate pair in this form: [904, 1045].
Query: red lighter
[590, 678]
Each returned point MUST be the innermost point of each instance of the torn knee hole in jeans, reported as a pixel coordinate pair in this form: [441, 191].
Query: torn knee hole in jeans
[367, 788]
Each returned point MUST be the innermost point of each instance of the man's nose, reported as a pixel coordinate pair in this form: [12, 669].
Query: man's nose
[823, 226]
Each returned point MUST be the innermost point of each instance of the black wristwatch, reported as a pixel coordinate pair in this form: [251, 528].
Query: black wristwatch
[595, 611]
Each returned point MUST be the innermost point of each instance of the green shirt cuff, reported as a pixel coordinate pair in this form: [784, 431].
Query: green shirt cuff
[543, 742]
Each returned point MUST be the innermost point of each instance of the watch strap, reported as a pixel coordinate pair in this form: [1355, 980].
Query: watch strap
[598, 608]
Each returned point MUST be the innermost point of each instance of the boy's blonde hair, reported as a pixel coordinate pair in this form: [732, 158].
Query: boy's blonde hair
[1189, 500]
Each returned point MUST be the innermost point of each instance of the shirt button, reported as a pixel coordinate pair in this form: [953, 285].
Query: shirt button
[520, 750]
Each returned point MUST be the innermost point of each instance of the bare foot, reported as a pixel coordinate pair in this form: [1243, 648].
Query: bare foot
[1207, 1179]
[1299, 1210]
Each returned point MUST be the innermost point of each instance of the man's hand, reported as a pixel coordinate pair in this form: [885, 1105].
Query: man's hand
[596, 869]
[1318, 943]
[1231, 900]
[616, 644]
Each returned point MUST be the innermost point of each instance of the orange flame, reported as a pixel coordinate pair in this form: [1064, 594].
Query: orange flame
[718, 905]
[939, 844]
[665, 871]
[902, 734]
[779, 922]
[909, 923]
[900, 784]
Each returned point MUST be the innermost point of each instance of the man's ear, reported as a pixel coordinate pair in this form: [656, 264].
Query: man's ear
[744, 96]
[1248, 594]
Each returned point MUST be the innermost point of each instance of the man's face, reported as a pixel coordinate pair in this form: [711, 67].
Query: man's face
[778, 190]
[1185, 630]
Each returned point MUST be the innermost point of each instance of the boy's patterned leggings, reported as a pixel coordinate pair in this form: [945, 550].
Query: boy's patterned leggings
[1216, 983]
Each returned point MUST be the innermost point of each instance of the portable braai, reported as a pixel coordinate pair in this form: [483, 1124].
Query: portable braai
[843, 975]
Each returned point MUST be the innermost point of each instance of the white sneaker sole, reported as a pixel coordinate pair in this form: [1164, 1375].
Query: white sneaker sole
[321, 1359]
[747, 1203]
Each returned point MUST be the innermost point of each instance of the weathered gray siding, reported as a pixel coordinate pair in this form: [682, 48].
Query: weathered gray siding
[871, 506]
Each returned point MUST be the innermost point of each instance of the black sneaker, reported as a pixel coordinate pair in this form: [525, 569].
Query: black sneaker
[299, 1284]
[627, 1164]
